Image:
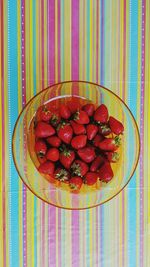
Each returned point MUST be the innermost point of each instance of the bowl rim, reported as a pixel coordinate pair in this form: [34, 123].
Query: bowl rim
[77, 81]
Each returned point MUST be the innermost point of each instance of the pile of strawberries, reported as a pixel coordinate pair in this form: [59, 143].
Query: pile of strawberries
[76, 143]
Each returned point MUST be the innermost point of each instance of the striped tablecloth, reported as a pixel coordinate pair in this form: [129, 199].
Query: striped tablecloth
[44, 42]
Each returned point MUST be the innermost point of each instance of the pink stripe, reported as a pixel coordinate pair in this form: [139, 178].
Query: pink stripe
[59, 238]
[52, 236]
[51, 41]
[142, 139]
[97, 38]
[75, 39]
[3, 135]
[75, 238]
[43, 233]
[58, 66]
[42, 40]
[23, 103]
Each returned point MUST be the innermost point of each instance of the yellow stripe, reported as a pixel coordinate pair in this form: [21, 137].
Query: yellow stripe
[1, 208]
[45, 45]
[81, 41]
[67, 39]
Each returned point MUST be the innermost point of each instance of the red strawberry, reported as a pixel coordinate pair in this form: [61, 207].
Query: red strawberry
[79, 141]
[62, 175]
[87, 154]
[112, 156]
[78, 128]
[91, 178]
[89, 109]
[54, 141]
[97, 139]
[65, 112]
[104, 129]
[97, 162]
[40, 148]
[74, 105]
[43, 129]
[42, 159]
[65, 133]
[47, 168]
[91, 131]
[79, 168]
[110, 144]
[105, 172]
[55, 119]
[81, 117]
[75, 183]
[45, 114]
[66, 158]
[116, 126]
[53, 154]
[101, 114]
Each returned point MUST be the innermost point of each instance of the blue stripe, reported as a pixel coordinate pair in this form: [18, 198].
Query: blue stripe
[13, 114]
[132, 102]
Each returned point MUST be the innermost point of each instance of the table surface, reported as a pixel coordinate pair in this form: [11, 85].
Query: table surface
[45, 42]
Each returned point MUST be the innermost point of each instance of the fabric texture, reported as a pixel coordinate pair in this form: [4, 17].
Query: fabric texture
[45, 42]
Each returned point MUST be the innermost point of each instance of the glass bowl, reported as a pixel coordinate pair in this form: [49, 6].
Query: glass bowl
[49, 192]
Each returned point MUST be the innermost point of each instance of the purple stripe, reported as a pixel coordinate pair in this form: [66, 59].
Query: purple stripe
[97, 38]
[59, 19]
[43, 233]
[142, 140]
[75, 39]
[51, 41]
[75, 238]
[52, 236]
[42, 40]
[102, 42]
[59, 238]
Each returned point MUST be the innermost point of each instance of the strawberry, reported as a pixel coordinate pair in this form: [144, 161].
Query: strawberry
[89, 109]
[44, 129]
[65, 112]
[116, 126]
[87, 154]
[101, 114]
[97, 139]
[112, 156]
[78, 128]
[106, 172]
[97, 162]
[91, 131]
[75, 183]
[79, 168]
[81, 117]
[91, 178]
[79, 141]
[55, 118]
[42, 159]
[74, 105]
[66, 158]
[40, 148]
[110, 144]
[65, 133]
[61, 175]
[104, 129]
[47, 168]
[53, 154]
[45, 114]
[54, 141]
